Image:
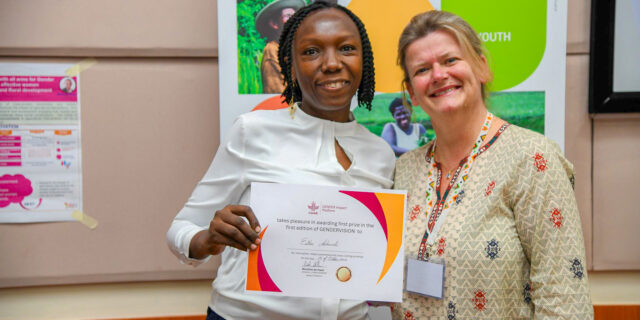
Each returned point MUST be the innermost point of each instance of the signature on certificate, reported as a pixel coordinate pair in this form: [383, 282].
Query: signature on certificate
[329, 243]
[315, 263]
[325, 243]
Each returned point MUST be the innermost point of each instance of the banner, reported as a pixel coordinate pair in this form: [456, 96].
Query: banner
[526, 43]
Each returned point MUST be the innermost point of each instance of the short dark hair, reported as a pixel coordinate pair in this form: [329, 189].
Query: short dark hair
[397, 102]
[366, 90]
[400, 101]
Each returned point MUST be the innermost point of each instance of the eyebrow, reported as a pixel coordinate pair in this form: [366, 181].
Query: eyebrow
[341, 38]
[442, 55]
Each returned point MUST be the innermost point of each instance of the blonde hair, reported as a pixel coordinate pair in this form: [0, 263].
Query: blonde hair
[428, 22]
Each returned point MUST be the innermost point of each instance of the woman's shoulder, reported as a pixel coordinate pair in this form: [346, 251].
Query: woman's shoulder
[414, 157]
[376, 143]
[259, 120]
[364, 133]
[531, 141]
[538, 150]
[263, 115]
[254, 125]
[409, 166]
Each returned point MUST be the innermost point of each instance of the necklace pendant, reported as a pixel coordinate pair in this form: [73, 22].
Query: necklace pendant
[449, 175]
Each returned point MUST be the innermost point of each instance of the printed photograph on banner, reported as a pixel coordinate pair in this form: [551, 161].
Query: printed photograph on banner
[406, 127]
[525, 48]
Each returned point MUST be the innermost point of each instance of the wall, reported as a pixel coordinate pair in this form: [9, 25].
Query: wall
[164, 298]
[149, 131]
[179, 298]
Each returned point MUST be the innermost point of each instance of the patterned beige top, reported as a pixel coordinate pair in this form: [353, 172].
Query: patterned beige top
[512, 242]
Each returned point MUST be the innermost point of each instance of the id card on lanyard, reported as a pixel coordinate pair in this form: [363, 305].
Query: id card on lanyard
[425, 275]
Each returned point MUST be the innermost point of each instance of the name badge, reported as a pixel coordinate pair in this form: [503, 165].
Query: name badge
[425, 278]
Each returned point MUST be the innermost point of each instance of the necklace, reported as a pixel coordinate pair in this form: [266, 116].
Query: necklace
[437, 206]
[448, 176]
[448, 172]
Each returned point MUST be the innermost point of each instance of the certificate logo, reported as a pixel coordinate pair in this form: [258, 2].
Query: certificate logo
[343, 274]
[313, 208]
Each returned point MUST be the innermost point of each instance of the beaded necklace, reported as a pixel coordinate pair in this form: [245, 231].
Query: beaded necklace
[436, 209]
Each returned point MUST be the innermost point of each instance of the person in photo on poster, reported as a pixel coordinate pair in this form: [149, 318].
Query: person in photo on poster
[67, 85]
[269, 23]
[326, 59]
[490, 202]
[402, 135]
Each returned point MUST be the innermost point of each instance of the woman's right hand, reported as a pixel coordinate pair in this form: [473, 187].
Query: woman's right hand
[227, 228]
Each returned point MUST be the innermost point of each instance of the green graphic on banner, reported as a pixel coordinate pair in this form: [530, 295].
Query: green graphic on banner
[514, 33]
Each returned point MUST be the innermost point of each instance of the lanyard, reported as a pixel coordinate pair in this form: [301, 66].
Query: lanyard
[436, 209]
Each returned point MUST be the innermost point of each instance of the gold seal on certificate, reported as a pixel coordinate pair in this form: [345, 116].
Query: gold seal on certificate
[330, 242]
[343, 274]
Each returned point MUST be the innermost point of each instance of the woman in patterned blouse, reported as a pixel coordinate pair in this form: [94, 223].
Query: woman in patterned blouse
[492, 201]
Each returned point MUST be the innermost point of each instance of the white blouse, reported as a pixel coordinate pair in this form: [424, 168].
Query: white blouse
[270, 146]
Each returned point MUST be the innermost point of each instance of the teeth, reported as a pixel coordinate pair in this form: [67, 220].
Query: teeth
[335, 85]
[444, 92]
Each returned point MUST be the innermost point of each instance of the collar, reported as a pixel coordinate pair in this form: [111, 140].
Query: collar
[340, 128]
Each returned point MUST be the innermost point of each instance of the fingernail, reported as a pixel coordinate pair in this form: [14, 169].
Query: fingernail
[258, 229]
[258, 240]
[253, 247]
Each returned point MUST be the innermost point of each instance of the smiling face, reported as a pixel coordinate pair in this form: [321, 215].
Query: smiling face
[441, 79]
[327, 63]
[402, 117]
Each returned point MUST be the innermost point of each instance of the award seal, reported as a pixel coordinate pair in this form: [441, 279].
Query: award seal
[343, 274]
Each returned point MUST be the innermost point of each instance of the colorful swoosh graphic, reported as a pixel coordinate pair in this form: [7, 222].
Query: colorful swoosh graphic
[384, 36]
[258, 278]
[381, 206]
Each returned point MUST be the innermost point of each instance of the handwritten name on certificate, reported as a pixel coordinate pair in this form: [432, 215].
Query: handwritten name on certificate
[330, 242]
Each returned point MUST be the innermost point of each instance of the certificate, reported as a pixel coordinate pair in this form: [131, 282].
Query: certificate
[328, 242]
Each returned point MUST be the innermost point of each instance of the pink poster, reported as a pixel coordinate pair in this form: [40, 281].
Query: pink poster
[40, 162]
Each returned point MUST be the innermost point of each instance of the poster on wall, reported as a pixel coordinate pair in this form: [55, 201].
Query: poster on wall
[525, 42]
[40, 155]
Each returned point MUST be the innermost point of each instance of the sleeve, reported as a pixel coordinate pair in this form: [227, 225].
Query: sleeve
[222, 184]
[548, 224]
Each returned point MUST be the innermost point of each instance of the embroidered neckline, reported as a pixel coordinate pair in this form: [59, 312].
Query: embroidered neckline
[463, 161]
[433, 211]
[480, 151]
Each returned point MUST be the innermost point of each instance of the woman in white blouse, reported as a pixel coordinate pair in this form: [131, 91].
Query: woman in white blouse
[326, 58]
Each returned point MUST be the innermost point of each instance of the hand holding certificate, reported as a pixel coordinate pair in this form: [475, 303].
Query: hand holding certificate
[319, 241]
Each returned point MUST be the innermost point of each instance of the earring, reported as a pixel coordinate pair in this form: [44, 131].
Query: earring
[291, 100]
[294, 86]
[292, 105]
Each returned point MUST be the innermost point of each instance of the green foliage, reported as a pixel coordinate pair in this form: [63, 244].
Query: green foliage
[524, 109]
[250, 46]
